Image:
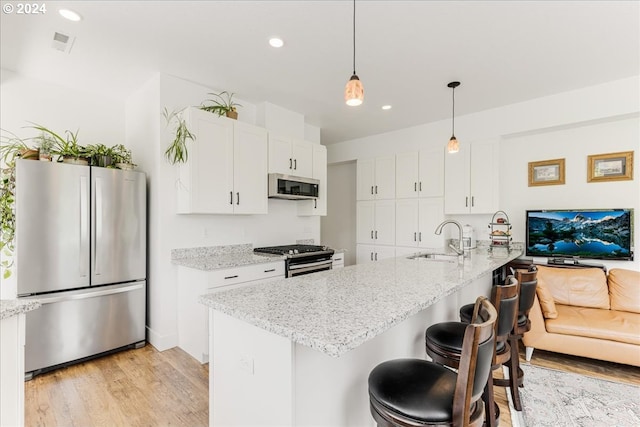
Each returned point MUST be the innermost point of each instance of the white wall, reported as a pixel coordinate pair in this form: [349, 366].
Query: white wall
[168, 230]
[593, 120]
[97, 119]
[339, 226]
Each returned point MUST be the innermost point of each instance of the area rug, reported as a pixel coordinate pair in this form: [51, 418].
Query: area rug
[557, 399]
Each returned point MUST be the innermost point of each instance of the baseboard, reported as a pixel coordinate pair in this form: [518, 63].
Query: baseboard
[161, 342]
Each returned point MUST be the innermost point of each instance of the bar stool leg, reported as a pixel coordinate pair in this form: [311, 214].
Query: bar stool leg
[514, 368]
[492, 412]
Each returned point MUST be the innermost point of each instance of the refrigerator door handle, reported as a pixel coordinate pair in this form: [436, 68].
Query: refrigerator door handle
[44, 299]
[98, 217]
[84, 227]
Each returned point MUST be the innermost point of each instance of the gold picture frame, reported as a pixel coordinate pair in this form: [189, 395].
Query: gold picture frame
[546, 172]
[610, 167]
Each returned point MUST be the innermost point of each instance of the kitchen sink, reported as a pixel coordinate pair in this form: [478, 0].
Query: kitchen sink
[441, 257]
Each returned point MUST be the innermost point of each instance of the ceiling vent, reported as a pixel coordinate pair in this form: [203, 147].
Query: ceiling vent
[62, 42]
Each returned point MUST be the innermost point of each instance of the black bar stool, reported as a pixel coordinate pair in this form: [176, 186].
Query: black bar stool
[444, 340]
[416, 392]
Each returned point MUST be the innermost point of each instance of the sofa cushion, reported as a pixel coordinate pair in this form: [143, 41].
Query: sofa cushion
[584, 287]
[612, 325]
[624, 290]
[545, 298]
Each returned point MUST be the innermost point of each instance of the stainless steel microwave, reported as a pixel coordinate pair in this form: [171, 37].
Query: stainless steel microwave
[292, 187]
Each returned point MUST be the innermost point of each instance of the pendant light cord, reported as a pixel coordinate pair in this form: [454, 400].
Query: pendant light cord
[354, 37]
[453, 111]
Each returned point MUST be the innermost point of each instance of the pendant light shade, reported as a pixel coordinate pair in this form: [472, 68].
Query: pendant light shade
[354, 91]
[453, 146]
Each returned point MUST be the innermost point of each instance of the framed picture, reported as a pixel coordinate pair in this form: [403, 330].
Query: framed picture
[547, 172]
[610, 167]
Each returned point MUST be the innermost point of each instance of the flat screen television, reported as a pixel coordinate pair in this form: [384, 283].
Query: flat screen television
[581, 233]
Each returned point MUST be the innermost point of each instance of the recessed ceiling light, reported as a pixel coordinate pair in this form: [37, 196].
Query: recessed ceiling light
[276, 42]
[386, 107]
[70, 15]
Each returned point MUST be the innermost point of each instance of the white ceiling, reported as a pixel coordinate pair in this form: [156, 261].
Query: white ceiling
[503, 52]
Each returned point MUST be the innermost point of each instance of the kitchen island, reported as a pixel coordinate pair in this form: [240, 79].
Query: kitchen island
[298, 351]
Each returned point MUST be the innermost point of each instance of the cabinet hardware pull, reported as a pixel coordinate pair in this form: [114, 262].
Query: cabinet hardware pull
[376, 234]
[420, 236]
[372, 189]
[376, 189]
[337, 259]
[414, 237]
[290, 163]
[315, 203]
[231, 277]
[269, 271]
[466, 202]
[420, 186]
[295, 164]
[371, 256]
[237, 198]
[473, 201]
[230, 197]
[415, 186]
[376, 256]
[372, 234]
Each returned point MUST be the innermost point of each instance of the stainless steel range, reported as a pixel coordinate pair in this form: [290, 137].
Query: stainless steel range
[301, 259]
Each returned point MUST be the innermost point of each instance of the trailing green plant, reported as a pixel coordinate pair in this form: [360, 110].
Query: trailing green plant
[64, 147]
[177, 151]
[221, 104]
[7, 216]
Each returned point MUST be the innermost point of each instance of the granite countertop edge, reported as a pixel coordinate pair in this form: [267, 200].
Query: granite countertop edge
[14, 307]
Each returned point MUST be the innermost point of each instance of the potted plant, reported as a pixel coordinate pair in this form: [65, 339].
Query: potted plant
[122, 157]
[177, 150]
[100, 155]
[45, 145]
[222, 103]
[67, 149]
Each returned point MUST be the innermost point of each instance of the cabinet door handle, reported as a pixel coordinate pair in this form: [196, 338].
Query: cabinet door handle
[415, 186]
[237, 198]
[235, 276]
[315, 203]
[295, 164]
[376, 189]
[466, 202]
[230, 197]
[337, 259]
[376, 234]
[376, 257]
[420, 236]
[290, 163]
[415, 239]
[372, 189]
[371, 256]
[270, 271]
[420, 186]
[371, 234]
[473, 201]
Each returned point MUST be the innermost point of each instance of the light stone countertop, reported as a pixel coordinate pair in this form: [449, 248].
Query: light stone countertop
[337, 310]
[13, 307]
[220, 257]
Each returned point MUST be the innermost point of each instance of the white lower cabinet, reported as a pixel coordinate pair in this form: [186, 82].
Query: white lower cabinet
[12, 339]
[338, 260]
[371, 253]
[193, 323]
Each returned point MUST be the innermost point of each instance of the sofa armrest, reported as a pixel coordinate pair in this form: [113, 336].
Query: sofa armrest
[538, 329]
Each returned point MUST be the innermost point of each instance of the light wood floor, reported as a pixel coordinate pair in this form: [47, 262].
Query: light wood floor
[147, 388]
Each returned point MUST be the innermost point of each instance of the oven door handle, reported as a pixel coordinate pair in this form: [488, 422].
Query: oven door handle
[307, 266]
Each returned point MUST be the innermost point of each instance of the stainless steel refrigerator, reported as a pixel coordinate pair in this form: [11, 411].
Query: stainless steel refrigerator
[81, 236]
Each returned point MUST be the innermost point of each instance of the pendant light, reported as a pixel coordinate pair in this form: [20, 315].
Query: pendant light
[353, 91]
[452, 145]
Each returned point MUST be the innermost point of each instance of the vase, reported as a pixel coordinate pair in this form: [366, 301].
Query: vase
[232, 115]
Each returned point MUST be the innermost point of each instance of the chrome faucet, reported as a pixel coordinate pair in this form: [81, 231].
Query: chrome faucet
[460, 249]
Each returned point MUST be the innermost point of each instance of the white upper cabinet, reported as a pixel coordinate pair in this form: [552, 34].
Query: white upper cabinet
[226, 171]
[471, 179]
[416, 221]
[317, 206]
[420, 174]
[290, 157]
[376, 178]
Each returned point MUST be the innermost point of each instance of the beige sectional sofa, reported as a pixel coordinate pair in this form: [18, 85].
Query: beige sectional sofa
[585, 312]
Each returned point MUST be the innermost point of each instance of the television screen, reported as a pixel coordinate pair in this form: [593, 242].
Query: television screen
[583, 233]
